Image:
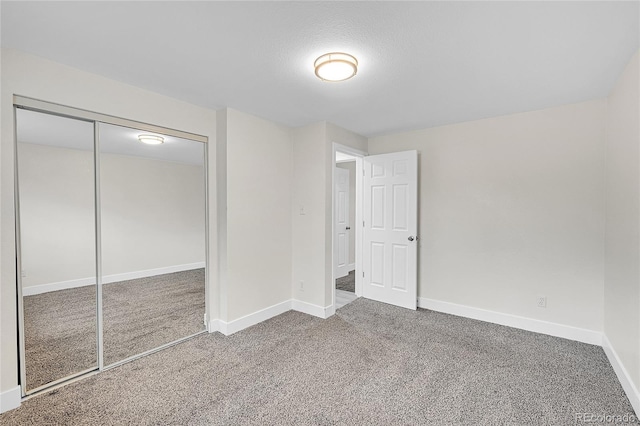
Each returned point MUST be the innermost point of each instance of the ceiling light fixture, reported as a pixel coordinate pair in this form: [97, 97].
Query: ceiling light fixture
[336, 66]
[151, 139]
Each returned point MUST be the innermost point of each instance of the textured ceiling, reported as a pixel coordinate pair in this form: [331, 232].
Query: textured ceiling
[422, 64]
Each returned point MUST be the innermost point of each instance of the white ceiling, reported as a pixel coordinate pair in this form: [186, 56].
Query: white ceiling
[45, 129]
[422, 64]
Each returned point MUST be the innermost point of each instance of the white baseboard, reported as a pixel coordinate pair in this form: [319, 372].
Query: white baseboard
[352, 267]
[623, 376]
[311, 309]
[544, 327]
[108, 279]
[213, 326]
[10, 399]
[329, 311]
[228, 328]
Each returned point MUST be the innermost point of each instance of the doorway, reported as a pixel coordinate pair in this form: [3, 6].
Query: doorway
[347, 213]
[383, 231]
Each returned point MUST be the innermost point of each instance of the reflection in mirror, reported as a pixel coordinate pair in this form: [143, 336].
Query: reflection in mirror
[57, 237]
[153, 240]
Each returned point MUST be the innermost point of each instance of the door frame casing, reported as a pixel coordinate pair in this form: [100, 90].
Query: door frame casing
[359, 197]
[336, 263]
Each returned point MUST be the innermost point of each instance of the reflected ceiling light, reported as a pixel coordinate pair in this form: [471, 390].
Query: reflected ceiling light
[151, 139]
[336, 66]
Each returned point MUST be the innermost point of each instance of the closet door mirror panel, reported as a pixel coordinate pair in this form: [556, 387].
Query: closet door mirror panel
[152, 208]
[56, 208]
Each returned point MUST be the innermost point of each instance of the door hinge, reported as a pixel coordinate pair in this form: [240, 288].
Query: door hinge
[362, 274]
[363, 223]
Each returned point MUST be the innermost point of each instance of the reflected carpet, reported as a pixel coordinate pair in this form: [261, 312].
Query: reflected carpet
[139, 315]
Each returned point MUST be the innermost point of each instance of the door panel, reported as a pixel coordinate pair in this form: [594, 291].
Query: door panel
[57, 268]
[390, 228]
[152, 205]
[341, 222]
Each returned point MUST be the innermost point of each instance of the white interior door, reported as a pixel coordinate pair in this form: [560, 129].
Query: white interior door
[390, 246]
[341, 222]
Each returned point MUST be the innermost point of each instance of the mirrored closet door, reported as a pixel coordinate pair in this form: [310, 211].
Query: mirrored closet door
[57, 247]
[152, 209]
[110, 240]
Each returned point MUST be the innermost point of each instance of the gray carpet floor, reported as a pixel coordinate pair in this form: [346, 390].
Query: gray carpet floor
[347, 283]
[138, 315]
[370, 364]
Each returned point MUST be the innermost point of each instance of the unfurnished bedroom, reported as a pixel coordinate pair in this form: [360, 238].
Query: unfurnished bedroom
[320, 212]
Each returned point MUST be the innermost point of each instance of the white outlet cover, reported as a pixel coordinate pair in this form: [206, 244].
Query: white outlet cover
[542, 301]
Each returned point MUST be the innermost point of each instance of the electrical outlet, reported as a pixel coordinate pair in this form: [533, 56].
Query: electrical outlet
[542, 301]
[301, 286]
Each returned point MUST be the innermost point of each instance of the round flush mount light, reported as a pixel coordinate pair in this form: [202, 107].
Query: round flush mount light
[151, 139]
[336, 66]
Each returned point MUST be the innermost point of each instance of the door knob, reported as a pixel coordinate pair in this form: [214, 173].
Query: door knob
[348, 227]
[410, 238]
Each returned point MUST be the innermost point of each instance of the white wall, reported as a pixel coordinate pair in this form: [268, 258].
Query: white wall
[308, 209]
[31, 76]
[511, 208]
[622, 236]
[351, 167]
[312, 232]
[259, 181]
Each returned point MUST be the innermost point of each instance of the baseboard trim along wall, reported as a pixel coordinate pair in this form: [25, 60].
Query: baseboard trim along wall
[311, 309]
[623, 376]
[10, 399]
[537, 326]
[352, 267]
[108, 279]
[228, 328]
[213, 326]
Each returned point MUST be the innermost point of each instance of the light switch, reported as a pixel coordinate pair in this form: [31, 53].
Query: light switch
[302, 211]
